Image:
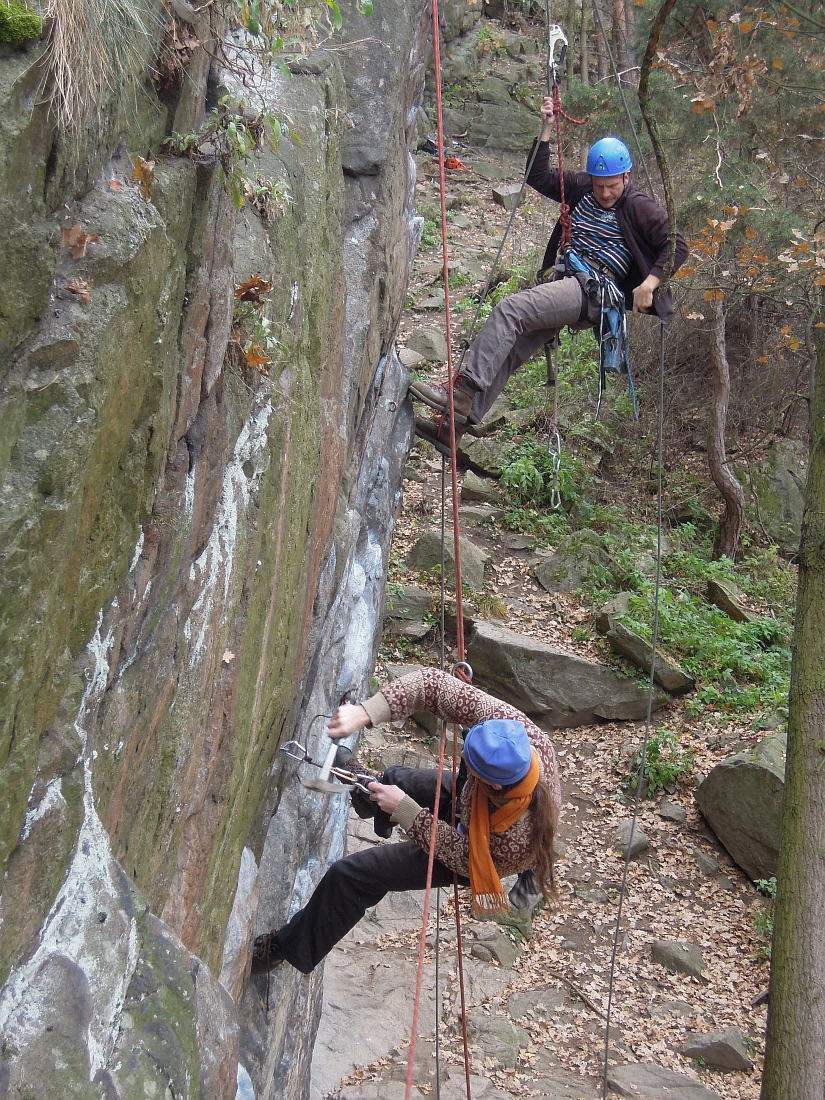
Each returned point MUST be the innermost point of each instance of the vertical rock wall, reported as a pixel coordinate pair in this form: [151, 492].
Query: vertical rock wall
[192, 560]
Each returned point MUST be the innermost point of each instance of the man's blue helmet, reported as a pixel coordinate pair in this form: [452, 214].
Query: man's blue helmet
[609, 157]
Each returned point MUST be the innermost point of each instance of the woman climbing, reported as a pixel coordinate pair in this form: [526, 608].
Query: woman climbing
[507, 806]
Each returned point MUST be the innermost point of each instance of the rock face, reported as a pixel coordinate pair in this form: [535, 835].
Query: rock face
[779, 482]
[742, 802]
[553, 687]
[193, 556]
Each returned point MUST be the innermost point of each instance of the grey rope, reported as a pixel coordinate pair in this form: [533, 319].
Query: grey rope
[654, 643]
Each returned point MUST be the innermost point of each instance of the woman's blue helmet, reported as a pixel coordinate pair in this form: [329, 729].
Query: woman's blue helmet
[609, 157]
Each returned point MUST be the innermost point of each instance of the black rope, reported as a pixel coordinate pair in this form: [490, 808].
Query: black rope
[654, 643]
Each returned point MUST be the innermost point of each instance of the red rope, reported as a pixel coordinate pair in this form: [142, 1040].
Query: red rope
[564, 210]
[459, 609]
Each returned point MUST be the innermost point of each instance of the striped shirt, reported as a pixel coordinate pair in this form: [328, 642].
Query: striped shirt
[596, 233]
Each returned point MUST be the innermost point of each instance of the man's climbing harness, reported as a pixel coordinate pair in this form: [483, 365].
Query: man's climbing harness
[612, 332]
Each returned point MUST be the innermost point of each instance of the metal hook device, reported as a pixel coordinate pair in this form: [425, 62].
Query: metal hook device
[348, 780]
[555, 37]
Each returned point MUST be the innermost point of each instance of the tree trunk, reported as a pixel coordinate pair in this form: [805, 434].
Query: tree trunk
[570, 31]
[619, 35]
[795, 1043]
[730, 525]
[601, 52]
[585, 42]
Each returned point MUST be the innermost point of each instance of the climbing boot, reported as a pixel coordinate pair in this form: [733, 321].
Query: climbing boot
[437, 397]
[437, 432]
[526, 892]
[266, 953]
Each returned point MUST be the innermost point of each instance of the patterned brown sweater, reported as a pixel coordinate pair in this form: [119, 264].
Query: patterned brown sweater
[447, 697]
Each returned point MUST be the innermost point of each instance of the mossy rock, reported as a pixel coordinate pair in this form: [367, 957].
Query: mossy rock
[18, 24]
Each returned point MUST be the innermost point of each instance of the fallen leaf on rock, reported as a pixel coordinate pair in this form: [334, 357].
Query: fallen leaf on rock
[115, 185]
[257, 358]
[82, 288]
[76, 240]
[144, 175]
[228, 656]
[253, 290]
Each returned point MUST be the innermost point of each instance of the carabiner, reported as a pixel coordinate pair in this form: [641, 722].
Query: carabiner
[555, 37]
[554, 453]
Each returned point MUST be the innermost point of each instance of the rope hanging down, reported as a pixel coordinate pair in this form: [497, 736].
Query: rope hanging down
[459, 609]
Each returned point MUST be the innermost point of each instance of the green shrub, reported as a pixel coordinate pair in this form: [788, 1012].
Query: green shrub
[665, 763]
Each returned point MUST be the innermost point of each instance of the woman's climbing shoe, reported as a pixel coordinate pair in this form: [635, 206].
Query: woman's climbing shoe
[266, 953]
[437, 432]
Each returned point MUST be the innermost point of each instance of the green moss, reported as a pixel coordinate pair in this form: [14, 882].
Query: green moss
[18, 24]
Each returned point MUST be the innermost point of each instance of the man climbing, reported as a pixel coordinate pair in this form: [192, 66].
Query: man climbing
[507, 807]
[618, 249]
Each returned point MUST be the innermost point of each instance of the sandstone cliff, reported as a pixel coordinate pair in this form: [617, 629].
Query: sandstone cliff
[193, 557]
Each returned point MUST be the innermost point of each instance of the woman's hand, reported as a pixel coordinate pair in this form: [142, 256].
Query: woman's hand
[347, 719]
[387, 796]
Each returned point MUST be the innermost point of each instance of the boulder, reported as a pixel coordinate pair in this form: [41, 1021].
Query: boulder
[509, 128]
[481, 489]
[779, 484]
[476, 514]
[494, 90]
[678, 957]
[485, 456]
[741, 800]
[644, 1081]
[554, 687]
[507, 195]
[629, 644]
[410, 359]
[429, 342]
[720, 1049]
[672, 811]
[427, 553]
[410, 603]
[575, 559]
[727, 598]
[617, 605]
[630, 839]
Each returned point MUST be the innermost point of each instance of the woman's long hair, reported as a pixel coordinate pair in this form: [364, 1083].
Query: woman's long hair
[543, 822]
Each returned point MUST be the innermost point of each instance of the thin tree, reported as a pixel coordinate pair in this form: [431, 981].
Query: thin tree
[585, 42]
[795, 1043]
[730, 525]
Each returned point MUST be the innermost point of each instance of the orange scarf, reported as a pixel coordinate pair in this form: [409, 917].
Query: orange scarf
[488, 893]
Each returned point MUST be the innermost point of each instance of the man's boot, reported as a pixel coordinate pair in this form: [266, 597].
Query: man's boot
[438, 397]
[437, 432]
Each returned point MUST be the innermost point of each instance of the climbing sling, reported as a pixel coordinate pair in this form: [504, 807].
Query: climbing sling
[611, 331]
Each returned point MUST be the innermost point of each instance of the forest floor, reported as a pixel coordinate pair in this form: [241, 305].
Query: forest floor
[683, 887]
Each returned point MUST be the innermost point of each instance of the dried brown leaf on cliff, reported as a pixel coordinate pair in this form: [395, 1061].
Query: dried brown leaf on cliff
[253, 290]
[144, 176]
[82, 288]
[76, 240]
[257, 358]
